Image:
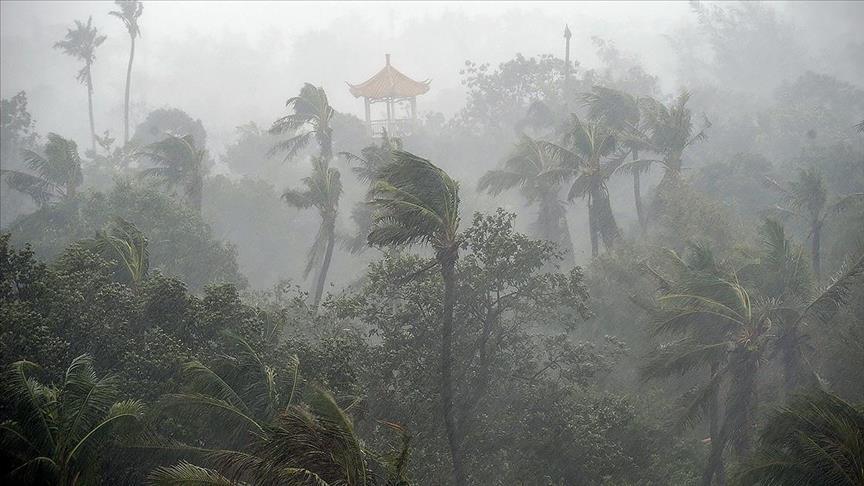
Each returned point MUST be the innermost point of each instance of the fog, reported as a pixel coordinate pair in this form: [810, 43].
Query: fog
[250, 215]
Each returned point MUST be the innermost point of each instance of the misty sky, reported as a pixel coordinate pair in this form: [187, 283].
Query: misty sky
[228, 63]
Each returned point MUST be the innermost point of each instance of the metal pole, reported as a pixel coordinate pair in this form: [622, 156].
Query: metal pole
[567, 36]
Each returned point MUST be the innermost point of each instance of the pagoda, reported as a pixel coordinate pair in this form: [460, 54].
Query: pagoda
[398, 93]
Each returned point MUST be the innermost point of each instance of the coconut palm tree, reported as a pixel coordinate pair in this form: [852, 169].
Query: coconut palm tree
[717, 322]
[311, 115]
[668, 132]
[272, 439]
[81, 43]
[366, 165]
[807, 197]
[57, 173]
[416, 202]
[130, 11]
[122, 241]
[314, 443]
[620, 112]
[586, 158]
[323, 190]
[526, 168]
[58, 435]
[178, 162]
[817, 438]
[782, 276]
[713, 324]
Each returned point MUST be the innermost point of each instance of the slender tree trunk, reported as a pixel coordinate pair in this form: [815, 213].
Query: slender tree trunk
[816, 229]
[592, 227]
[90, 110]
[605, 225]
[128, 84]
[447, 259]
[637, 194]
[552, 226]
[195, 192]
[714, 428]
[325, 265]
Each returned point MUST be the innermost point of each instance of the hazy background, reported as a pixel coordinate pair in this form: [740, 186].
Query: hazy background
[231, 62]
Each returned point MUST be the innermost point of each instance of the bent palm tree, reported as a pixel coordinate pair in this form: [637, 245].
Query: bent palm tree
[418, 203]
[58, 172]
[311, 444]
[178, 162]
[714, 325]
[272, 439]
[526, 168]
[816, 439]
[669, 132]
[808, 198]
[81, 42]
[366, 165]
[585, 158]
[58, 435]
[312, 113]
[323, 190]
[123, 241]
[130, 11]
[620, 112]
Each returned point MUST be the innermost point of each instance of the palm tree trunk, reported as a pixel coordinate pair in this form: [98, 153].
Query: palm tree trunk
[325, 265]
[447, 260]
[714, 427]
[606, 226]
[126, 101]
[196, 189]
[90, 110]
[592, 227]
[816, 230]
[637, 194]
[552, 225]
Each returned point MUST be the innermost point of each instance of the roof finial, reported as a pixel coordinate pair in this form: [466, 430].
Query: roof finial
[387, 57]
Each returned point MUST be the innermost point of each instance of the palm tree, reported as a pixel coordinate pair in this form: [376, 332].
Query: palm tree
[59, 435]
[719, 323]
[124, 242]
[323, 190]
[130, 11]
[586, 158]
[808, 198]
[526, 168]
[817, 438]
[313, 443]
[57, 173]
[418, 203]
[81, 43]
[312, 113]
[620, 112]
[271, 438]
[240, 389]
[668, 132]
[714, 324]
[178, 162]
[366, 165]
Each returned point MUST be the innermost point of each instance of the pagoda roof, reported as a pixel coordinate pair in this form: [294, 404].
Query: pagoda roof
[389, 82]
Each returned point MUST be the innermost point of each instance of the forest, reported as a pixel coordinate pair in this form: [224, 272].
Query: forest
[605, 266]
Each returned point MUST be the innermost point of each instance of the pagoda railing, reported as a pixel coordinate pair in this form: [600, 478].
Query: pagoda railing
[400, 127]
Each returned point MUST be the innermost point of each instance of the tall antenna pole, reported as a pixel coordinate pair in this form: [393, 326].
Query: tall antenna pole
[567, 36]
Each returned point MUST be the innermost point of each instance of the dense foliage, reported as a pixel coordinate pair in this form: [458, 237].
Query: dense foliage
[577, 279]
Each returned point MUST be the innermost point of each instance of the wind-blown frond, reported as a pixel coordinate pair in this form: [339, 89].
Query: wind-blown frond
[816, 439]
[415, 202]
[187, 474]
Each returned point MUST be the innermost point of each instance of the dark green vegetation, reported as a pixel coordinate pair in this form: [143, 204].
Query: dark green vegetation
[680, 301]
